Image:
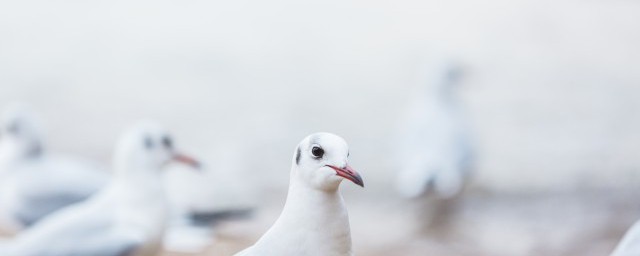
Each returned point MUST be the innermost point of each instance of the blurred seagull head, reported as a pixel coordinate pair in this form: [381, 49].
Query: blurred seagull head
[147, 147]
[20, 134]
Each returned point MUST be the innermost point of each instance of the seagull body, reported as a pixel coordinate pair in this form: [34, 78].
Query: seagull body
[199, 202]
[314, 220]
[301, 228]
[630, 244]
[434, 150]
[34, 183]
[39, 187]
[127, 217]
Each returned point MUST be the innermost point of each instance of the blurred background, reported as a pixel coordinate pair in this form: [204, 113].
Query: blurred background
[549, 91]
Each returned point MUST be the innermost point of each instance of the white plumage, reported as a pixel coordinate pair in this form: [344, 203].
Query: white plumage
[128, 217]
[314, 220]
[630, 243]
[33, 182]
[201, 200]
[434, 150]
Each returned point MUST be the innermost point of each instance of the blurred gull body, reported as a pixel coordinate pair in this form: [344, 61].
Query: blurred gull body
[34, 183]
[630, 244]
[434, 151]
[127, 217]
[200, 201]
[314, 220]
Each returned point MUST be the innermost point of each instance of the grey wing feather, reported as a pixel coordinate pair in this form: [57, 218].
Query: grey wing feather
[34, 209]
[213, 217]
[86, 229]
[106, 244]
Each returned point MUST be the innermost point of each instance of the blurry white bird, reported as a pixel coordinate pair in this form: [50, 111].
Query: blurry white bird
[314, 220]
[200, 201]
[193, 222]
[434, 150]
[34, 183]
[127, 217]
[630, 244]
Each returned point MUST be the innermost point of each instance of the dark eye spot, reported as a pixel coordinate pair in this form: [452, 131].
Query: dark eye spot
[14, 128]
[317, 152]
[148, 142]
[167, 142]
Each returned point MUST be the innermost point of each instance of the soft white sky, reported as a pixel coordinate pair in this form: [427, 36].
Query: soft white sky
[551, 88]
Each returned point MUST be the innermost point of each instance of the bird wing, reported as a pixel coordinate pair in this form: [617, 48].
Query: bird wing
[50, 185]
[213, 217]
[192, 232]
[34, 207]
[78, 228]
[93, 242]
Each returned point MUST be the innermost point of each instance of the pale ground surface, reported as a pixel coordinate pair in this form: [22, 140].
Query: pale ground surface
[528, 225]
[551, 91]
[559, 224]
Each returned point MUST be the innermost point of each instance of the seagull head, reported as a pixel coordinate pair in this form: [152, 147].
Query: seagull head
[445, 78]
[321, 160]
[148, 146]
[19, 132]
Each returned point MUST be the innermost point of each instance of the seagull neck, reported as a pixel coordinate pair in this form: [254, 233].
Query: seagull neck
[10, 158]
[438, 94]
[320, 214]
[140, 185]
[302, 193]
[7, 158]
[141, 199]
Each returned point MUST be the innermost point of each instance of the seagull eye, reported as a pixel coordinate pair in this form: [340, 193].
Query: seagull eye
[148, 143]
[13, 128]
[317, 152]
[167, 142]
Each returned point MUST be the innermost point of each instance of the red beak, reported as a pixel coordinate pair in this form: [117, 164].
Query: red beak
[348, 173]
[185, 159]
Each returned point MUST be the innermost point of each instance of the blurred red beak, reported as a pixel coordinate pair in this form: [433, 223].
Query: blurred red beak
[190, 161]
[348, 173]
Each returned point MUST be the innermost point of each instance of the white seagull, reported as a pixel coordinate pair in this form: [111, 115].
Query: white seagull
[630, 244]
[33, 182]
[314, 220]
[127, 217]
[200, 202]
[434, 150]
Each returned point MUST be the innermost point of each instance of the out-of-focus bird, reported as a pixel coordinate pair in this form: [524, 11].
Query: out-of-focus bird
[203, 200]
[314, 220]
[630, 244]
[434, 151]
[128, 217]
[33, 182]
